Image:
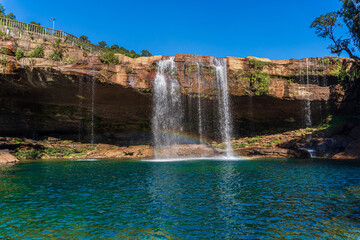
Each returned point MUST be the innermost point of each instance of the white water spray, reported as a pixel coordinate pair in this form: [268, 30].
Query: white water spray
[308, 102]
[224, 106]
[168, 110]
[199, 102]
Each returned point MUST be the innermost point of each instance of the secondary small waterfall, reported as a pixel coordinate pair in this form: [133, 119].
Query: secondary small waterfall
[313, 74]
[168, 121]
[92, 110]
[304, 78]
[308, 102]
[224, 108]
[199, 102]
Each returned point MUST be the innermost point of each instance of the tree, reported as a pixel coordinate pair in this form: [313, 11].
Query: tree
[349, 15]
[84, 38]
[102, 44]
[2, 10]
[115, 47]
[145, 53]
[35, 23]
[11, 16]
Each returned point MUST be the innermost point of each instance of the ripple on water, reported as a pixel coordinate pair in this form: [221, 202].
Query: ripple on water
[181, 200]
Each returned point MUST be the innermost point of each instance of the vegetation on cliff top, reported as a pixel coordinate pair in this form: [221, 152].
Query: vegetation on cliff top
[107, 50]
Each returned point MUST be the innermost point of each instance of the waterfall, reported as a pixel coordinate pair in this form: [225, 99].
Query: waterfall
[308, 102]
[199, 103]
[169, 119]
[168, 110]
[224, 108]
[80, 96]
[92, 110]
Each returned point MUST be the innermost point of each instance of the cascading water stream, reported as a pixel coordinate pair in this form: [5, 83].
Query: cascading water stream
[169, 122]
[308, 102]
[224, 106]
[199, 102]
[92, 110]
[168, 109]
[80, 96]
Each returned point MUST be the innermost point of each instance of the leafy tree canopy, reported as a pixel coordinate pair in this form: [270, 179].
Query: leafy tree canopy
[102, 44]
[84, 38]
[35, 23]
[145, 53]
[3, 14]
[349, 16]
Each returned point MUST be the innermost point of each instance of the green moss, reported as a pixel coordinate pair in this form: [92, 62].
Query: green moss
[5, 51]
[259, 65]
[259, 81]
[191, 69]
[3, 61]
[345, 78]
[128, 70]
[208, 70]
[29, 154]
[70, 61]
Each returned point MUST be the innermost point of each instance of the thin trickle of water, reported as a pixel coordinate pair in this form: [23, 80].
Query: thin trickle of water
[199, 102]
[168, 110]
[308, 102]
[80, 96]
[92, 110]
[305, 79]
[224, 104]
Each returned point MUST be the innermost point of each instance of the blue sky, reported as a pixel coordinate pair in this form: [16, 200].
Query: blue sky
[277, 29]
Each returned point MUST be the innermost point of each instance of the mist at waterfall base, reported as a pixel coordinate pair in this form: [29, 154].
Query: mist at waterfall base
[112, 199]
[176, 114]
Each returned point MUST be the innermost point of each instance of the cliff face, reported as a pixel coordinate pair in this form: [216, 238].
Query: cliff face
[40, 96]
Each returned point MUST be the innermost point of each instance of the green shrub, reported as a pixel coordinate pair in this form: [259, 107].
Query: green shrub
[109, 58]
[19, 53]
[70, 60]
[3, 61]
[37, 53]
[5, 51]
[2, 35]
[259, 81]
[29, 154]
[128, 70]
[58, 53]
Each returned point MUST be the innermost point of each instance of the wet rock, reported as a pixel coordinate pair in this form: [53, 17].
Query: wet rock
[6, 157]
[186, 151]
[352, 151]
[272, 152]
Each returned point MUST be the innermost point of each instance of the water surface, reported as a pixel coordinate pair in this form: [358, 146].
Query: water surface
[112, 199]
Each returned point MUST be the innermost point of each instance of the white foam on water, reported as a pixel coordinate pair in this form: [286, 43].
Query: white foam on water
[215, 158]
[86, 160]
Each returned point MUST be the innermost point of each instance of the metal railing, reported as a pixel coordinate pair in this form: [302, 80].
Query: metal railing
[33, 29]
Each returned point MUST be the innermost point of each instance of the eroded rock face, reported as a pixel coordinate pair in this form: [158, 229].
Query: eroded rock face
[271, 152]
[6, 157]
[39, 96]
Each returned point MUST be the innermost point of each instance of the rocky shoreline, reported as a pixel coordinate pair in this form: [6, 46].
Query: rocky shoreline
[336, 141]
